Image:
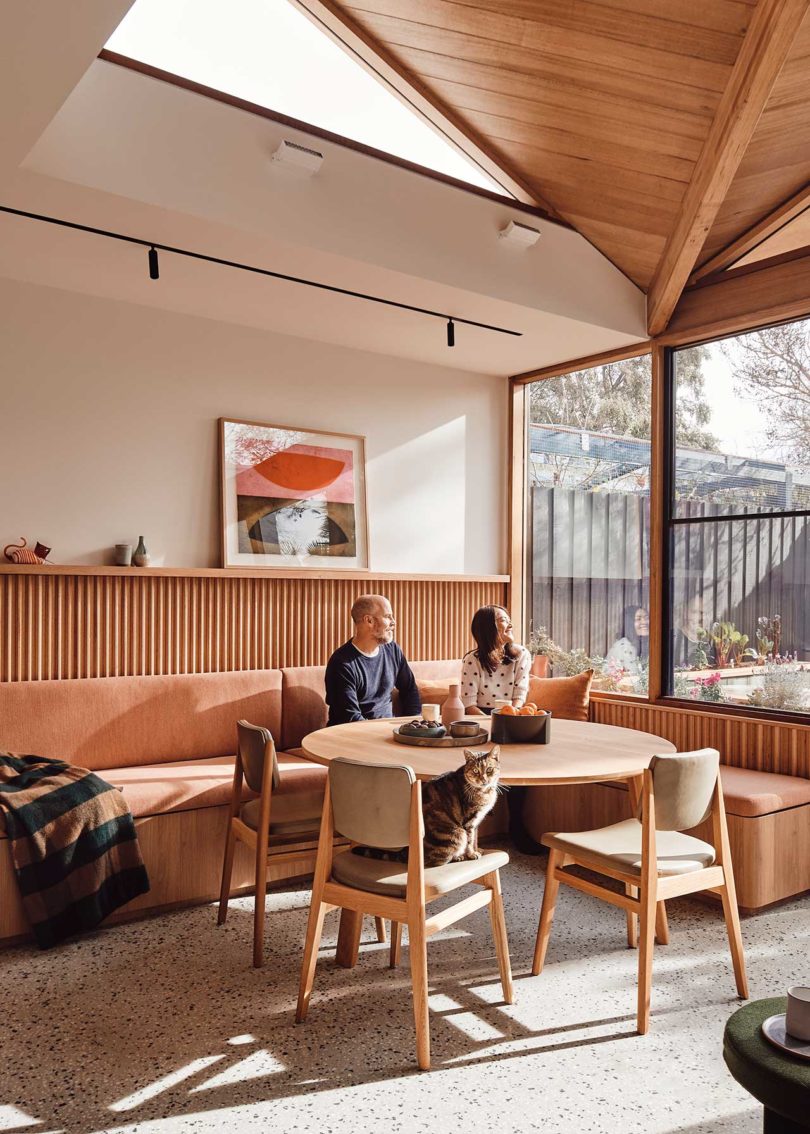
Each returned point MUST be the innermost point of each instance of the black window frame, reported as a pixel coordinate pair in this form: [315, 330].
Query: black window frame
[670, 523]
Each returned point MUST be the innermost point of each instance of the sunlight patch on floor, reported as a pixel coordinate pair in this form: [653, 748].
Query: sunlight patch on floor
[467, 1022]
[254, 1066]
[138, 1098]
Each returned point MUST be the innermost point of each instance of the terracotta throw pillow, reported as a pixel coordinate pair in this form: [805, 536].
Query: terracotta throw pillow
[566, 697]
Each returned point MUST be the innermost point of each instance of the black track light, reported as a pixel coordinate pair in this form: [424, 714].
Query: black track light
[154, 272]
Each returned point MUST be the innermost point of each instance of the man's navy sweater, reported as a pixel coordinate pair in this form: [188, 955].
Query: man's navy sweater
[359, 687]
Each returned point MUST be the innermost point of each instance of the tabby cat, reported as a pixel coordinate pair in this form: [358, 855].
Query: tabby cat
[453, 805]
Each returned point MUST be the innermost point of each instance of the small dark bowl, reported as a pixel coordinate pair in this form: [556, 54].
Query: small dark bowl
[433, 732]
[465, 728]
[521, 730]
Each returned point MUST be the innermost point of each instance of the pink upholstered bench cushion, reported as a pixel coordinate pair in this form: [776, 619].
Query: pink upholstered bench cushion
[186, 785]
[749, 793]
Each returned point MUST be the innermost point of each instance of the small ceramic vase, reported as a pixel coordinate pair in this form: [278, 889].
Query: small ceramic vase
[453, 707]
[123, 555]
[141, 556]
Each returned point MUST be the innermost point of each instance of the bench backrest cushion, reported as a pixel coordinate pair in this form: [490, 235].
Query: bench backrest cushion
[434, 679]
[304, 703]
[115, 722]
[305, 708]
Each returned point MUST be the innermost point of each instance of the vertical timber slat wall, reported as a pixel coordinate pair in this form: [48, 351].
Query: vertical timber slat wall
[744, 742]
[57, 625]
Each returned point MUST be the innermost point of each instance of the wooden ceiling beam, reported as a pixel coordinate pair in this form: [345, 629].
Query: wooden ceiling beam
[765, 47]
[330, 17]
[757, 234]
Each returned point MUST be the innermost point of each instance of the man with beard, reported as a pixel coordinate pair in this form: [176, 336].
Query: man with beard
[362, 673]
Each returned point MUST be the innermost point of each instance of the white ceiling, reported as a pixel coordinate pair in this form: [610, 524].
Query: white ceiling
[91, 142]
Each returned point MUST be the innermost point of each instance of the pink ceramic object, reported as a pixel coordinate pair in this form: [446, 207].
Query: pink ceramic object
[453, 707]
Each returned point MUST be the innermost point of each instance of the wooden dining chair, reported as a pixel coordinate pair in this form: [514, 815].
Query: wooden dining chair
[654, 860]
[282, 825]
[381, 806]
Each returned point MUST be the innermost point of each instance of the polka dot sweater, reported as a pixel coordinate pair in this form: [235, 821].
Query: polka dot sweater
[510, 681]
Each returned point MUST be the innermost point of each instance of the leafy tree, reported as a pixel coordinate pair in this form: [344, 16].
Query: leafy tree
[616, 398]
[773, 368]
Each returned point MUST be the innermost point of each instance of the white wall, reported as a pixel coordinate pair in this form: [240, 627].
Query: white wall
[108, 416]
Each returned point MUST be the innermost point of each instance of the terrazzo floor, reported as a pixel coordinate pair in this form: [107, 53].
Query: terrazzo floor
[163, 1026]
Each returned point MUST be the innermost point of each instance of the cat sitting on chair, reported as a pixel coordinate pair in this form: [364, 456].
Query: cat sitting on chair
[453, 806]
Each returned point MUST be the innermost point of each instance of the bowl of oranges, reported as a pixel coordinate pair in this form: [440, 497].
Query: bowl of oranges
[526, 725]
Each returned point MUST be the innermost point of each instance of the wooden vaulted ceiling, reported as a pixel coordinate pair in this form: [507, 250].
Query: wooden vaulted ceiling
[662, 130]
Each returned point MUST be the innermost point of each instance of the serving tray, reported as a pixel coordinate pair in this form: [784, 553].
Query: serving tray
[442, 741]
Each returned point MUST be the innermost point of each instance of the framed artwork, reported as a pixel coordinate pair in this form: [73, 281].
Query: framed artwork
[292, 497]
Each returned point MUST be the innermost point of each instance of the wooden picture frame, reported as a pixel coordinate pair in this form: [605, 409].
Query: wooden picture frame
[292, 498]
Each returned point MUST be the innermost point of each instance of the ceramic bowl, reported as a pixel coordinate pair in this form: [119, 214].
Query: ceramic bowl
[428, 730]
[465, 728]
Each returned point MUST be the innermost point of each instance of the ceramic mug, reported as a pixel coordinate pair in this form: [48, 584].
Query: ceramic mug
[797, 1017]
[431, 713]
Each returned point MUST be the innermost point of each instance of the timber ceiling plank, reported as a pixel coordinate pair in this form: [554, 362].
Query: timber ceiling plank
[776, 165]
[765, 48]
[602, 109]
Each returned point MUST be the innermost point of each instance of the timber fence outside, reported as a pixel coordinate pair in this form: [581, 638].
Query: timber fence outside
[589, 560]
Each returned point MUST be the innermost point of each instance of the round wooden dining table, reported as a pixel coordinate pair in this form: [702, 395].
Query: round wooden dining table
[578, 752]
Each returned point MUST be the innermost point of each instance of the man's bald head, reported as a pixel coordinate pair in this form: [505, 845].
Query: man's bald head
[371, 605]
[373, 622]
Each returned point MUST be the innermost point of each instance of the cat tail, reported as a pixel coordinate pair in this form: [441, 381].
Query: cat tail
[385, 855]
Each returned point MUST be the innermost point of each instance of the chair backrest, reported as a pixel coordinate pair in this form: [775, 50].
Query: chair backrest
[684, 785]
[255, 744]
[371, 803]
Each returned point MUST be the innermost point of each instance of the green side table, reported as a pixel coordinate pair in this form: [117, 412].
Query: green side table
[780, 1081]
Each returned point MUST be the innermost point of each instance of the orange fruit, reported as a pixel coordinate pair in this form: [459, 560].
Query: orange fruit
[530, 705]
[526, 711]
[508, 711]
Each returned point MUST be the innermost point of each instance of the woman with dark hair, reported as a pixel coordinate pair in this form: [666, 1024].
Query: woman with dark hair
[630, 651]
[497, 670]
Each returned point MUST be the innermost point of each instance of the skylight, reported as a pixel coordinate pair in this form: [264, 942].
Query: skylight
[269, 53]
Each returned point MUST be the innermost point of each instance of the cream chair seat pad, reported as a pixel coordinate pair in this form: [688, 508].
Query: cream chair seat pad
[376, 876]
[619, 846]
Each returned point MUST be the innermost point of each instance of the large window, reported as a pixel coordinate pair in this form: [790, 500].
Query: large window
[588, 522]
[739, 522]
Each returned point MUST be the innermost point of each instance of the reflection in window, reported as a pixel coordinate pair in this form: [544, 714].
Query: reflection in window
[740, 562]
[588, 503]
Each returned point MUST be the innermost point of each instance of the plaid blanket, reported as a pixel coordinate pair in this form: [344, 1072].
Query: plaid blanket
[73, 845]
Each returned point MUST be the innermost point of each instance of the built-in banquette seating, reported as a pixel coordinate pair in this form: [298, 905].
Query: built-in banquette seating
[169, 743]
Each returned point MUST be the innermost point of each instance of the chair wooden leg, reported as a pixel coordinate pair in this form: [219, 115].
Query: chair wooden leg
[227, 871]
[258, 908]
[732, 916]
[632, 919]
[317, 912]
[493, 881]
[645, 960]
[382, 936]
[661, 924]
[348, 942]
[417, 947]
[546, 911]
[396, 944]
